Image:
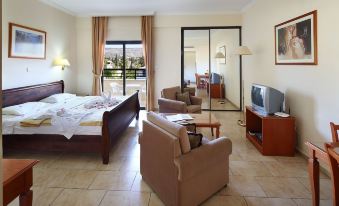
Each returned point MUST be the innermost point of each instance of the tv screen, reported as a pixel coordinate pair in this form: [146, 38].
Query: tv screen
[257, 96]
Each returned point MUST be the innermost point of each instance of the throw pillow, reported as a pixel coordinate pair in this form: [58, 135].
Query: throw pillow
[184, 97]
[195, 139]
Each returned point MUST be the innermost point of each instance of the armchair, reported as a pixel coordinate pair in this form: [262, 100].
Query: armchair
[181, 176]
[168, 102]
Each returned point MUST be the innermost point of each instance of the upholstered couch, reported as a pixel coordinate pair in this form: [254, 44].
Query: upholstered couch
[168, 102]
[178, 175]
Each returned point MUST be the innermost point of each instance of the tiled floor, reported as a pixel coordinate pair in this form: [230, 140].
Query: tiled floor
[256, 180]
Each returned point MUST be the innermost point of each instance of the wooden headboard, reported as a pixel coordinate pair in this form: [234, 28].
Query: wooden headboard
[30, 93]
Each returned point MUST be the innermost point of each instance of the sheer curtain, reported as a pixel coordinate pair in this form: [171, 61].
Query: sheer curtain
[99, 34]
[147, 42]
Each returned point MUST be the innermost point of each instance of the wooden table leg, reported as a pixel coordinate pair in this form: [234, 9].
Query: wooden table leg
[26, 199]
[212, 131]
[313, 170]
[217, 132]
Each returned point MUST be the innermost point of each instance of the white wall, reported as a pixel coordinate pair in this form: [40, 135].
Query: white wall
[311, 91]
[167, 44]
[119, 29]
[61, 42]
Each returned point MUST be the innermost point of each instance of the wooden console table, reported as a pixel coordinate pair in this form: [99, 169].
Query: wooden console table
[18, 180]
[278, 136]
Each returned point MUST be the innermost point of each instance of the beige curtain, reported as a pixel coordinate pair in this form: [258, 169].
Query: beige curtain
[99, 33]
[147, 42]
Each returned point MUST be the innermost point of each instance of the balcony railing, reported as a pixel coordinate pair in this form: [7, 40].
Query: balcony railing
[119, 74]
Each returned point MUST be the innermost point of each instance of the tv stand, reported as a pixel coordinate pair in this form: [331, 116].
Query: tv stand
[278, 137]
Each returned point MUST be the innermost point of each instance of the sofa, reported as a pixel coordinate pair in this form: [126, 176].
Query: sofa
[168, 102]
[179, 175]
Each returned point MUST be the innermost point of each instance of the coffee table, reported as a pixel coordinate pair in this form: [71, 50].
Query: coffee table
[205, 120]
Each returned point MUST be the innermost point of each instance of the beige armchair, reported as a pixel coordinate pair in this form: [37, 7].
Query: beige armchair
[178, 175]
[168, 102]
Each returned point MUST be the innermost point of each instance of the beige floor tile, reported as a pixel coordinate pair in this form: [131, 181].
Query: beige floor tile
[72, 161]
[255, 201]
[113, 180]
[41, 196]
[79, 197]
[283, 187]
[139, 185]
[287, 169]
[246, 168]
[296, 158]
[45, 196]
[74, 179]
[155, 201]
[131, 164]
[243, 186]
[308, 202]
[114, 164]
[255, 155]
[325, 187]
[64, 178]
[225, 201]
[125, 198]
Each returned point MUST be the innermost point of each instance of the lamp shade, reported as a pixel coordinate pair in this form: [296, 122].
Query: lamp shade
[219, 55]
[61, 62]
[243, 50]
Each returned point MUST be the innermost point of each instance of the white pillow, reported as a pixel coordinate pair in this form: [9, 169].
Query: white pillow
[57, 98]
[24, 109]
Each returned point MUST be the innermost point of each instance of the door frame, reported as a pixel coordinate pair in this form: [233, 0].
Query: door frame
[209, 28]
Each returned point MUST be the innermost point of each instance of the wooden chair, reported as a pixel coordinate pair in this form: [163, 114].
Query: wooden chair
[333, 158]
[334, 129]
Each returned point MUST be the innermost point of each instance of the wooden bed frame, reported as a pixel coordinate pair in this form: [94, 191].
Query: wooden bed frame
[115, 122]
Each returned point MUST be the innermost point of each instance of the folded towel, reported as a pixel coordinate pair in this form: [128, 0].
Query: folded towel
[35, 122]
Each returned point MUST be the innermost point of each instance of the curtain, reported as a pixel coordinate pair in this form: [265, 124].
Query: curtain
[99, 33]
[147, 42]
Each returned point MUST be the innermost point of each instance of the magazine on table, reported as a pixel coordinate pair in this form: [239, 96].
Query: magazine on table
[179, 117]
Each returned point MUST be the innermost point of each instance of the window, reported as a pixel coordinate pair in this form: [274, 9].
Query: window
[124, 70]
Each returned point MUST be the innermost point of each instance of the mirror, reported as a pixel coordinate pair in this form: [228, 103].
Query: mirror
[211, 67]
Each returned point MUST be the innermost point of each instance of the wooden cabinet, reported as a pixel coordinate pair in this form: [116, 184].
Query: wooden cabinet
[217, 90]
[278, 136]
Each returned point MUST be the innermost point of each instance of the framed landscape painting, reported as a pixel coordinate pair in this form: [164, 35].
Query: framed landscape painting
[296, 41]
[26, 42]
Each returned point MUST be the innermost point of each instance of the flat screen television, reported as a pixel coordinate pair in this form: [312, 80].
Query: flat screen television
[266, 100]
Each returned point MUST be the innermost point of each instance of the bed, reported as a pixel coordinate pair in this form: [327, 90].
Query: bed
[114, 123]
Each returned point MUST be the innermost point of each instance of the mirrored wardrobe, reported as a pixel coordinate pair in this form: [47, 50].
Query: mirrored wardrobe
[210, 66]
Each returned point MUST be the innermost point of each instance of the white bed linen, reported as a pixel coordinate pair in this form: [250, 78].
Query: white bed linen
[11, 125]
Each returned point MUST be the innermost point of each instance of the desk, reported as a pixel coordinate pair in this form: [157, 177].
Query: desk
[18, 180]
[316, 152]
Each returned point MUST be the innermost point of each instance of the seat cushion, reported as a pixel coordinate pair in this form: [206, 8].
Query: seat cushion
[184, 97]
[175, 129]
[193, 108]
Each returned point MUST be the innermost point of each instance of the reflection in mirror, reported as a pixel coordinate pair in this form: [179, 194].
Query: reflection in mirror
[196, 63]
[211, 68]
[225, 70]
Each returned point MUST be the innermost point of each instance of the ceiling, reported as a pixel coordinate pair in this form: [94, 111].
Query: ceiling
[148, 7]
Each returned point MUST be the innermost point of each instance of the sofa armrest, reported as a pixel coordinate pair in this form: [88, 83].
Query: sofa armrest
[196, 100]
[211, 154]
[171, 106]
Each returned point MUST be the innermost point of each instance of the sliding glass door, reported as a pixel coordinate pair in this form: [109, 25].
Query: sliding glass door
[210, 65]
[125, 71]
